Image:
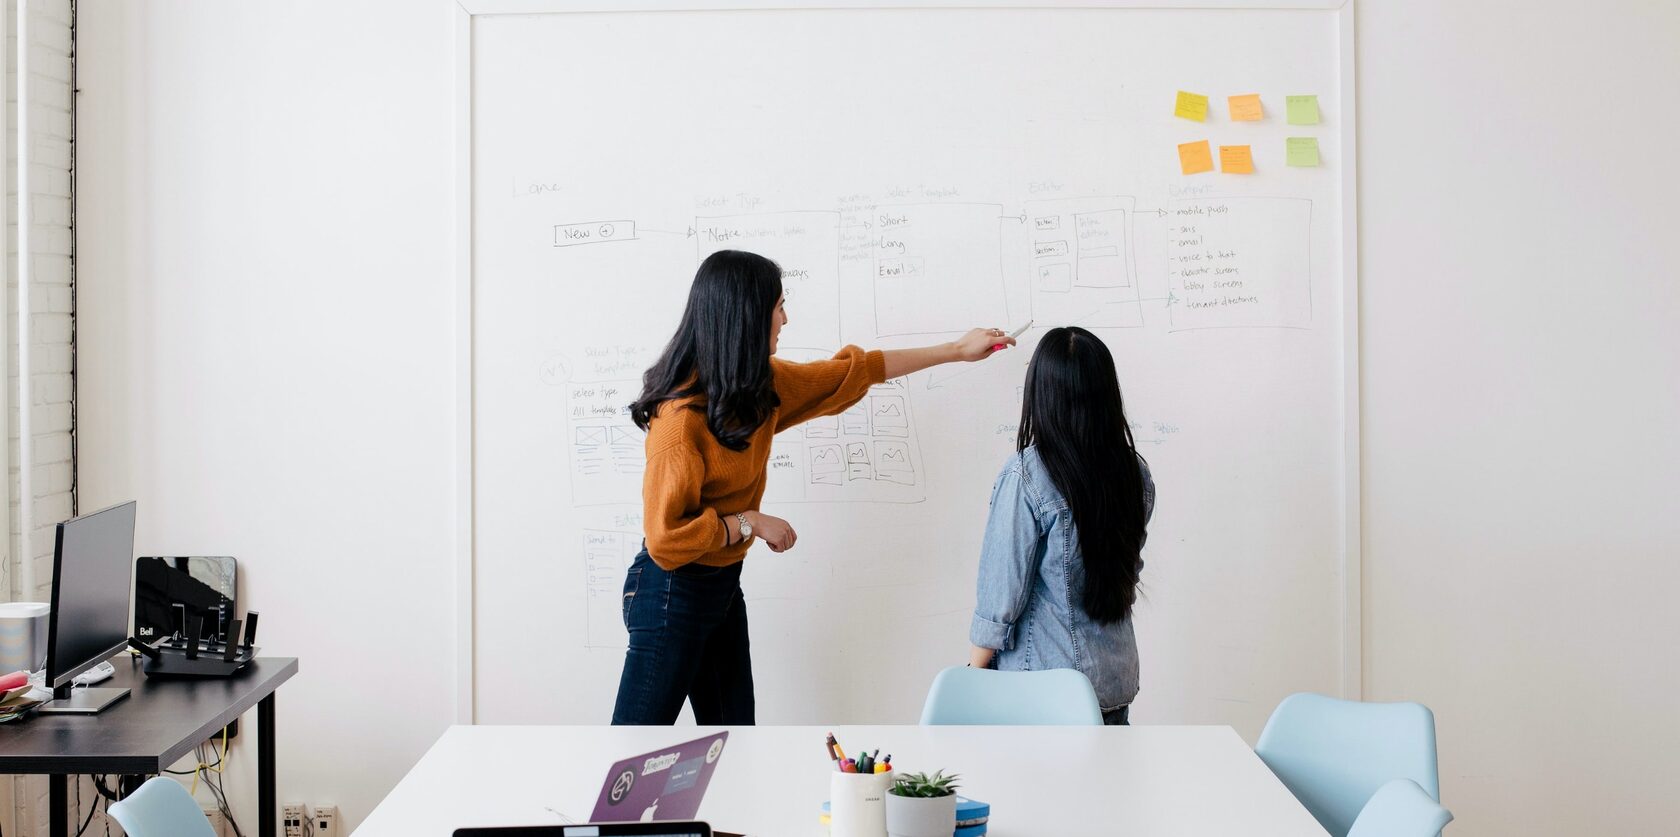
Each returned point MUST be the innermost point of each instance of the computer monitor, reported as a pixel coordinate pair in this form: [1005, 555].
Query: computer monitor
[92, 558]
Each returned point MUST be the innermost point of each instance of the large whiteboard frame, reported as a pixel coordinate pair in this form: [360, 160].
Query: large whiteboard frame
[1352, 633]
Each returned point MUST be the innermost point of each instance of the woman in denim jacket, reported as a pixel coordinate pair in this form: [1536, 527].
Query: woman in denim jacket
[1060, 563]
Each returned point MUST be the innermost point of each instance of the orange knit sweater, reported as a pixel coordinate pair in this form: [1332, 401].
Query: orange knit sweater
[690, 478]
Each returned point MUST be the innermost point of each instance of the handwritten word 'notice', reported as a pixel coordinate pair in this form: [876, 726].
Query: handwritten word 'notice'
[1236, 159]
[1246, 108]
[1191, 106]
[1301, 151]
[1195, 157]
[1303, 110]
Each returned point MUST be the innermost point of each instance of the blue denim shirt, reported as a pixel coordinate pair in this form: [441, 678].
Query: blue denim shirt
[1032, 580]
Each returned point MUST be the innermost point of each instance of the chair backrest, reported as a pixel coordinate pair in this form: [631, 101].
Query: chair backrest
[161, 808]
[1334, 754]
[963, 695]
[1401, 809]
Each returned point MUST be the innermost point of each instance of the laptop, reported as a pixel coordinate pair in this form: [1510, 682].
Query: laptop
[651, 795]
[638, 829]
[666, 784]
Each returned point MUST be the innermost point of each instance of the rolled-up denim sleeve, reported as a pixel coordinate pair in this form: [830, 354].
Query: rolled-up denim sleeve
[1008, 560]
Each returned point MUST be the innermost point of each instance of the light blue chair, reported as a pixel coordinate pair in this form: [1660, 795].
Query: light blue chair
[1401, 809]
[161, 808]
[963, 695]
[1334, 754]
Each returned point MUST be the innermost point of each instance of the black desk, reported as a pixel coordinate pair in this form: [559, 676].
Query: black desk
[160, 722]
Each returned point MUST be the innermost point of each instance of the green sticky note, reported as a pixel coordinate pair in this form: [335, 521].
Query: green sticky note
[1303, 110]
[1302, 151]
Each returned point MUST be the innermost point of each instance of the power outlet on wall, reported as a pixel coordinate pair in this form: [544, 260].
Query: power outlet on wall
[326, 821]
[294, 821]
[218, 822]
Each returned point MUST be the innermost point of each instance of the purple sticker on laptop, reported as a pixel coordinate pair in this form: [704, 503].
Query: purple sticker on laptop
[665, 784]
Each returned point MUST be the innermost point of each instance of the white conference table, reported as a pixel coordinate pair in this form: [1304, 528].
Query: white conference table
[772, 781]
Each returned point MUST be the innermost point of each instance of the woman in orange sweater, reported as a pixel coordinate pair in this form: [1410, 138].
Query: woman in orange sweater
[710, 406]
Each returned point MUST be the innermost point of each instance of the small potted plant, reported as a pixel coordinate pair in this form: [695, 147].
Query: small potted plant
[919, 805]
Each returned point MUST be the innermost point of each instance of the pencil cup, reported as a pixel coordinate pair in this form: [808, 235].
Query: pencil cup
[858, 804]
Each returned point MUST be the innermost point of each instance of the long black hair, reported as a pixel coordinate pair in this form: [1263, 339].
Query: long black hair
[721, 349]
[1072, 410]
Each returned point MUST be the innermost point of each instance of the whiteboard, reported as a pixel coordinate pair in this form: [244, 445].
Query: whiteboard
[915, 172]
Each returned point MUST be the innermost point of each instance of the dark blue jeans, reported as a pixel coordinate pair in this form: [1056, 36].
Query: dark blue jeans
[688, 639]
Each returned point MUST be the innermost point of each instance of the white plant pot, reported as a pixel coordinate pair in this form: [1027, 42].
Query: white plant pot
[909, 816]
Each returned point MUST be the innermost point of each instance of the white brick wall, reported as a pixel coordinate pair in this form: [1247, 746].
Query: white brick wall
[49, 320]
[50, 303]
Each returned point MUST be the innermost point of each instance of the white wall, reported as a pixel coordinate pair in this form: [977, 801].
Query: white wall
[1522, 400]
[50, 308]
[266, 342]
[266, 348]
[50, 302]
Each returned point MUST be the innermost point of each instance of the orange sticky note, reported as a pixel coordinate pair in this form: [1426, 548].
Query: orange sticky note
[1191, 106]
[1246, 108]
[1195, 157]
[1236, 159]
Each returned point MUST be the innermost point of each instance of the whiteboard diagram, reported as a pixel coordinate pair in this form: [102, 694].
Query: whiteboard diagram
[869, 453]
[606, 447]
[1082, 268]
[936, 268]
[916, 172]
[1241, 262]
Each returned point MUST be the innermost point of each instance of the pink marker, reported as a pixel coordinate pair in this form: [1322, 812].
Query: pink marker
[1016, 333]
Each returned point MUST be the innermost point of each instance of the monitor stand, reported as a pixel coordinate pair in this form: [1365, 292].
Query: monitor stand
[88, 701]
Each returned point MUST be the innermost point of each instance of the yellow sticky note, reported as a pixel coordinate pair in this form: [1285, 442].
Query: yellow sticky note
[1301, 151]
[1191, 106]
[1246, 108]
[1303, 110]
[1195, 157]
[1236, 159]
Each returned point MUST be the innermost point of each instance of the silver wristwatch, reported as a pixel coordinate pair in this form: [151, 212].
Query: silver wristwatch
[746, 528]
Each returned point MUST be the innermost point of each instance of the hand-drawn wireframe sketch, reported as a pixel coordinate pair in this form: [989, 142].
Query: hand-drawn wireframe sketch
[607, 459]
[869, 453]
[1082, 267]
[888, 416]
[593, 232]
[828, 465]
[1240, 262]
[826, 427]
[892, 462]
[937, 267]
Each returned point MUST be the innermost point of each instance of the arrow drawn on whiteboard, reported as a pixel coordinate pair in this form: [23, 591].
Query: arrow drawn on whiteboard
[668, 232]
[1022, 217]
[1169, 299]
[936, 379]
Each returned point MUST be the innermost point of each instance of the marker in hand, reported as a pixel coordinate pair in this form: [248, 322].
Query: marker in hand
[1013, 334]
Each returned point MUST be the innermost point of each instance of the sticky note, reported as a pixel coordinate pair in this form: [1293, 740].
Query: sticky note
[1191, 106]
[1302, 151]
[1195, 157]
[1236, 159]
[1246, 108]
[1303, 110]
